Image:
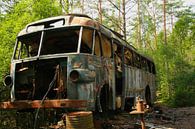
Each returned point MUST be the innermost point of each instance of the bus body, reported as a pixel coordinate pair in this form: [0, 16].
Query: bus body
[74, 62]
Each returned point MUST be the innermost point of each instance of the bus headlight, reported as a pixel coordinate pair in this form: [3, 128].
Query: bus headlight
[82, 75]
[74, 75]
[8, 80]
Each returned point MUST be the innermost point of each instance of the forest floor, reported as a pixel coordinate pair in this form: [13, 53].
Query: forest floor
[160, 118]
[178, 118]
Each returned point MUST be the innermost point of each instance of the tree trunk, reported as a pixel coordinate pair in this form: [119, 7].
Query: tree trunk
[100, 10]
[155, 31]
[124, 19]
[172, 19]
[82, 6]
[119, 14]
[139, 44]
[165, 29]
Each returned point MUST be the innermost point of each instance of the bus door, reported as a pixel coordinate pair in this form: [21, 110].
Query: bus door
[118, 60]
[109, 71]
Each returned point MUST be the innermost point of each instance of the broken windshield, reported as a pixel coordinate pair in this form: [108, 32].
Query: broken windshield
[60, 41]
[55, 41]
[27, 46]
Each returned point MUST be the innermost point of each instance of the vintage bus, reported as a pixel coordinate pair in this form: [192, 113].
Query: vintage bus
[74, 62]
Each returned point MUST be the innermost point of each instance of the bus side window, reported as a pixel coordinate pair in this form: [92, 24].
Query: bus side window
[128, 57]
[137, 60]
[150, 66]
[97, 49]
[25, 51]
[87, 41]
[22, 51]
[153, 68]
[106, 47]
[118, 56]
[144, 64]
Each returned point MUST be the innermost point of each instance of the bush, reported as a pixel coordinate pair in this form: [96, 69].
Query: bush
[183, 98]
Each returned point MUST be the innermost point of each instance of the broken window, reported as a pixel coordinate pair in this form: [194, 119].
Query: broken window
[153, 68]
[27, 46]
[137, 60]
[97, 49]
[60, 41]
[144, 64]
[128, 56]
[106, 47]
[117, 50]
[118, 56]
[87, 41]
[47, 24]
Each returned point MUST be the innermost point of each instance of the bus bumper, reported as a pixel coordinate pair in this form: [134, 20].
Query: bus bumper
[57, 103]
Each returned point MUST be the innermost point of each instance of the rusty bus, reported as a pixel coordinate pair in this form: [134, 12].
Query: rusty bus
[74, 62]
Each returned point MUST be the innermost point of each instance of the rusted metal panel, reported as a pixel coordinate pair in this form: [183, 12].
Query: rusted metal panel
[102, 70]
[58, 103]
[83, 89]
[136, 80]
[109, 73]
[79, 120]
[68, 20]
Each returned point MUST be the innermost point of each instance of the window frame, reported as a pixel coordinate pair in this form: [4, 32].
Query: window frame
[18, 41]
[94, 42]
[92, 36]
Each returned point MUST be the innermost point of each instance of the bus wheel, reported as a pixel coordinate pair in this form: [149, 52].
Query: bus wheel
[104, 98]
[148, 96]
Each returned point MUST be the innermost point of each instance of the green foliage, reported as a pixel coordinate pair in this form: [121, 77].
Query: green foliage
[45, 8]
[12, 21]
[175, 64]
[21, 13]
[66, 6]
[183, 97]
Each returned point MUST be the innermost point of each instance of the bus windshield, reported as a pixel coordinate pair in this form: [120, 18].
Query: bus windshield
[27, 46]
[60, 41]
[55, 41]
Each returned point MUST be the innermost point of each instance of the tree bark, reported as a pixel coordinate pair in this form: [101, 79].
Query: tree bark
[100, 10]
[155, 31]
[124, 19]
[165, 29]
[119, 14]
[172, 19]
[139, 44]
[82, 7]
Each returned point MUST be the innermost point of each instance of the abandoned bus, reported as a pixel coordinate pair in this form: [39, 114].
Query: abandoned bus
[74, 62]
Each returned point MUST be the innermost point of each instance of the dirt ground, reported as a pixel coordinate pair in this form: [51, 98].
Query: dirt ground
[178, 118]
[160, 118]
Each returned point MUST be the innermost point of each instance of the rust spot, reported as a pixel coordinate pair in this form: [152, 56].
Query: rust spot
[62, 103]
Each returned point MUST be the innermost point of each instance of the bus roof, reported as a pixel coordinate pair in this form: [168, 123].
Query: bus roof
[70, 20]
[74, 20]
